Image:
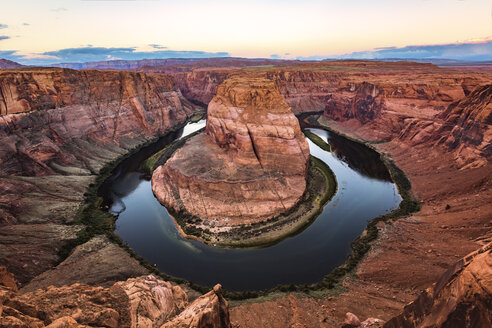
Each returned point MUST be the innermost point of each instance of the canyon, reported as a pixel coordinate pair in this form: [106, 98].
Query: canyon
[60, 127]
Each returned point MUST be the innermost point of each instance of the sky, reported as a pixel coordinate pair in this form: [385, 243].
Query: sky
[54, 31]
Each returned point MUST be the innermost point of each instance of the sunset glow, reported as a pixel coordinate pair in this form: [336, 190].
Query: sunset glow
[287, 29]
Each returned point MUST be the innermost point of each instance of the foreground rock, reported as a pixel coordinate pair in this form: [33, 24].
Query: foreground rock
[138, 302]
[249, 166]
[462, 297]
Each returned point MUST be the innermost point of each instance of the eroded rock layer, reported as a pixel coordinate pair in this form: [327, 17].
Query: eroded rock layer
[250, 165]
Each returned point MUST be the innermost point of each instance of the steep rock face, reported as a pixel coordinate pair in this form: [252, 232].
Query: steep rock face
[209, 310]
[470, 121]
[71, 109]
[62, 126]
[250, 165]
[462, 297]
[250, 119]
[138, 302]
[465, 128]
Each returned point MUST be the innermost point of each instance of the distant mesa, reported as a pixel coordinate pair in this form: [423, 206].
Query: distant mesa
[250, 164]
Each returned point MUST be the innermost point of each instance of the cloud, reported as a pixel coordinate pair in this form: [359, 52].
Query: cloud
[275, 56]
[59, 10]
[4, 37]
[26, 24]
[38, 56]
[3, 26]
[89, 54]
[475, 49]
[157, 46]
[385, 48]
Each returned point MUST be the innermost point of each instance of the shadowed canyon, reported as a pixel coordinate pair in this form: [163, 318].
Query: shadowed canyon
[294, 194]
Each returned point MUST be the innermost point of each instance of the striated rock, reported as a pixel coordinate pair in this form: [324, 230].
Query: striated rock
[250, 165]
[464, 128]
[209, 310]
[469, 123]
[462, 297]
[152, 301]
[139, 302]
[78, 116]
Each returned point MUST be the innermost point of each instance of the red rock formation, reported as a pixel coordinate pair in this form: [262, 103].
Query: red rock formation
[138, 302]
[250, 165]
[462, 297]
[465, 128]
[78, 111]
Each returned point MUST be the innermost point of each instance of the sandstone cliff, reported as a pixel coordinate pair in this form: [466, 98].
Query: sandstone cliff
[75, 114]
[137, 302]
[464, 128]
[250, 165]
[462, 297]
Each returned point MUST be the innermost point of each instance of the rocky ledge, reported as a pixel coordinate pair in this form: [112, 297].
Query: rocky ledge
[249, 166]
[137, 302]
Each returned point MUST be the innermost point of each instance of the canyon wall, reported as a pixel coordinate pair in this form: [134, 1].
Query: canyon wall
[381, 100]
[73, 115]
[58, 129]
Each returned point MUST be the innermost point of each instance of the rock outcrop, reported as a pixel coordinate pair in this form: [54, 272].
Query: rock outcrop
[249, 166]
[138, 302]
[462, 297]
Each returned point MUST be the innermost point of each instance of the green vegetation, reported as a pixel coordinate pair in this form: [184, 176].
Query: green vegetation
[197, 117]
[317, 140]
